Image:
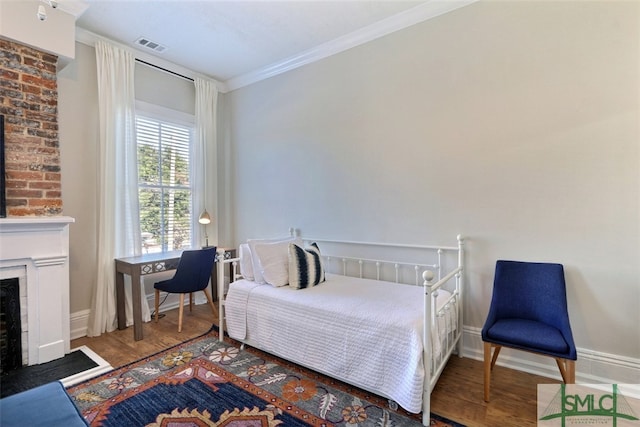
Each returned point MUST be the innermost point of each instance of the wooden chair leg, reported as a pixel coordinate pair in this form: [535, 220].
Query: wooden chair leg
[210, 300]
[563, 372]
[157, 304]
[489, 363]
[190, 302]
[496, 351]
[567, 370]
[487, 370]
[571, 371]
[180, 312]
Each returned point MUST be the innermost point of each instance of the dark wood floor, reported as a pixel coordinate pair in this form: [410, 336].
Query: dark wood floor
[458, 394]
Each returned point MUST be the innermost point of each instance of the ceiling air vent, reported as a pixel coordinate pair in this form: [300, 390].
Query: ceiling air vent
[145, 42]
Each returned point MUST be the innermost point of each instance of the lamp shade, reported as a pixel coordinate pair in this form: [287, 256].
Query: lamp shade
[204, 217]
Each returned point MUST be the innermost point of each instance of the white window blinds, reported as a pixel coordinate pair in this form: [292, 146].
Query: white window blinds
[164, 187]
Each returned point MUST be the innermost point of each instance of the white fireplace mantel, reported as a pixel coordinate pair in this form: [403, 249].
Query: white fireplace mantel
[40, 247]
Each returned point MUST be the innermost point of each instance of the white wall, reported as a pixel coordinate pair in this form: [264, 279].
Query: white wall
[79, 135]
[165, 90]
[55, 35]
[514, 123]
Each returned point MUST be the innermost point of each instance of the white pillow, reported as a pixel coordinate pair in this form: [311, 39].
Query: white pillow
[274, 262]
[246, 262]
[257, 268]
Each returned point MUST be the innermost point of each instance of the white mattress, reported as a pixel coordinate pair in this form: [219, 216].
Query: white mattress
[365, 332]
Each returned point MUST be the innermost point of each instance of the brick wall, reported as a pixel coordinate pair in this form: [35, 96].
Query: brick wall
[29, 103]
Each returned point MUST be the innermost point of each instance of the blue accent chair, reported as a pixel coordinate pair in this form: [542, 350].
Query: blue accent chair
[529, 312]
[192, 275]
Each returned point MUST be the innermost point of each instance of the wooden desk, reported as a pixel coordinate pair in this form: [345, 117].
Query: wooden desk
[142, 265]
[136, 267]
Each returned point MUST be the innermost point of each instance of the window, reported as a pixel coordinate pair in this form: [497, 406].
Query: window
[164, 186]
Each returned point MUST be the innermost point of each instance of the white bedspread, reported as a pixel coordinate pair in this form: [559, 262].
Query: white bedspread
[365, 332]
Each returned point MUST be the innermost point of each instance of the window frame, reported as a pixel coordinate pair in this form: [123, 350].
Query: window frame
[179, 118]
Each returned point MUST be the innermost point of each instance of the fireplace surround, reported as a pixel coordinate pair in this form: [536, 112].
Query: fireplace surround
[36, 251]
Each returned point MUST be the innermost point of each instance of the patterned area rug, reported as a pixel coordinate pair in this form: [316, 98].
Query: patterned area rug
[203, 382]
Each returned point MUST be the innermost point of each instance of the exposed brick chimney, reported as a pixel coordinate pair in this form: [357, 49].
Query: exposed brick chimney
[29, 103]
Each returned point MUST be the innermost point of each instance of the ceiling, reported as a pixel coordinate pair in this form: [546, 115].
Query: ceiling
[233, 40]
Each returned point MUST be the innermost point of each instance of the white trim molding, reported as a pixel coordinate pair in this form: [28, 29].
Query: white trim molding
[423, 12]
[415, 15]
[80, 319]
[591, 366]
[79, 324]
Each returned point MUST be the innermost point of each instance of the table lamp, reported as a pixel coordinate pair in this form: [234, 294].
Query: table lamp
[204, 220]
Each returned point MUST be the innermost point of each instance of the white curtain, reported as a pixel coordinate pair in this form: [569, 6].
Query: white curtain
[118, 208]
[204, 168]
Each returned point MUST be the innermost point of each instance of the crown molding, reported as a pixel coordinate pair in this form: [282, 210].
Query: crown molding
[415, 15]
[423, 12]
[73, 7]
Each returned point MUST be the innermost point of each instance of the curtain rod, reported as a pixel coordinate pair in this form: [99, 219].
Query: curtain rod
[163, 69]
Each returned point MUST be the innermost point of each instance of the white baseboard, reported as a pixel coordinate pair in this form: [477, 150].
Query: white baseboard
[80, 319]
[591, 366]
[79, 324]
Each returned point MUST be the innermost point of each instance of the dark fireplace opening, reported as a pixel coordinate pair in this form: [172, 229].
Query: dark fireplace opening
[10, 325]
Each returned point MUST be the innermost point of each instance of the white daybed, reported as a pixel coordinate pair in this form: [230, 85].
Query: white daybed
[366, 332]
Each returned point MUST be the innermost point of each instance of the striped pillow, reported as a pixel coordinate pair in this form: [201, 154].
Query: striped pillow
[305, 266]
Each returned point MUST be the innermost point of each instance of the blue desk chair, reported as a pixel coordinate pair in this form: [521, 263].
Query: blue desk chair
[192, 275]
[529, 312]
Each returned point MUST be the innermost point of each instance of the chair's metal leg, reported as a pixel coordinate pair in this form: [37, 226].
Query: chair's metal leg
[487, 370]
[157, 304]
[180, 312]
